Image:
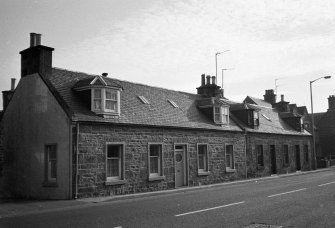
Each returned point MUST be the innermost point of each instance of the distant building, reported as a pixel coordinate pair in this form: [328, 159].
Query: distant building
[68, 134]
[325, 131]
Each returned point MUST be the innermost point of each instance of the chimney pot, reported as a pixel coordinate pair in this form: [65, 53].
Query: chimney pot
[38, 39]
[13, 84]
[32, 39]
[213, 80]
[105, 74]
[282, 97]
[208, 80]
[203, 80]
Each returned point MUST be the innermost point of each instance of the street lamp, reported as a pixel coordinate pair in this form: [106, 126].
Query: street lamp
[216, 61]
[313, 133]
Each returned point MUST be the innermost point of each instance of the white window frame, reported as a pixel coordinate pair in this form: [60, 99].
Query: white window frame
[103, 109]
[206, 160]
[154, 176]
[255, 116]
[121, 162]
[230, 169]
[223, 114]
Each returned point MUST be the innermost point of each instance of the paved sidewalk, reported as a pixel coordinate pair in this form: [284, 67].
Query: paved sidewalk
[16, 207]
[12, 207]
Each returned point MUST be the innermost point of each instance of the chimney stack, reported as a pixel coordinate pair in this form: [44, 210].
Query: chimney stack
[282, 97]
[8, 94]
[104, 74]
[207, 89]
[37, 58]
[270, 96]
[331, 103]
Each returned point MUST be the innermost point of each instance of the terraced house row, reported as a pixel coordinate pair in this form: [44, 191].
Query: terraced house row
[67, 134]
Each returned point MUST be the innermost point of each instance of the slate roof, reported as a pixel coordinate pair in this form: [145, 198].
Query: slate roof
[259, 102]
[158, 113]
[271, 122]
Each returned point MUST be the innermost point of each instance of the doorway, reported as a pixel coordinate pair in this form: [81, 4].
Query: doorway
[273, 163]
[180, 161]
[297, 157]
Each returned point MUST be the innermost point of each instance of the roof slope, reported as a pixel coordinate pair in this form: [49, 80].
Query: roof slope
[158, 113]
[270, 120]
[259, 102]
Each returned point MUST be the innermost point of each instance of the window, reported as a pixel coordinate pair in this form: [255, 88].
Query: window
[143, 99]
[97, 99]
[267, 118]
[115, 162]
[111, 100]
[221, 115]
[155, 160]
[285, 155]
[173, 103]
[306, 153]
[105, 101]
[230, 157]
[260, 156]
[50, 164]
[202, 158]
[255, 118]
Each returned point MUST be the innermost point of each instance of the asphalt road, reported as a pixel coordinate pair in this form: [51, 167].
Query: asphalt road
[296, 201]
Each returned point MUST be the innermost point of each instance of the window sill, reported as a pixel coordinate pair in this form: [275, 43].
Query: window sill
[50, 184]
[206, 173]
[229, 170]
[156, 178]
[115, 182]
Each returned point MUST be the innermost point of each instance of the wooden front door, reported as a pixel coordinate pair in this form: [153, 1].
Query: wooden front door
[297, 157]
[273, 162]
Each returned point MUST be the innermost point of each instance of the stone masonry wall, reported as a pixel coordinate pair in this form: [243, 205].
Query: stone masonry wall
[92, 158]
[278, 141]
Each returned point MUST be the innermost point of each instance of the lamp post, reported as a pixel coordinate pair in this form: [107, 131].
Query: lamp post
[313, 133]
[216, 62]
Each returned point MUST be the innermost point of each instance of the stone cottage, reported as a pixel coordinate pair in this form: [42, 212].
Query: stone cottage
[70, 135]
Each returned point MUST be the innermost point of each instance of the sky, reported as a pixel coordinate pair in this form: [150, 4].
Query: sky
[280, 45]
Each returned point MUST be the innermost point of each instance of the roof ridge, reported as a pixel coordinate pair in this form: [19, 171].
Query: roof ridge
[135, 83]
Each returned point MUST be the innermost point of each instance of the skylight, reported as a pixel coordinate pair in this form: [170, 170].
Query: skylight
[266, 117]
[173, 103]
[143, 99]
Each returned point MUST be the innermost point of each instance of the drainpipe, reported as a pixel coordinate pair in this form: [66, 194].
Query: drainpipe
[245, 153]
[77, 156]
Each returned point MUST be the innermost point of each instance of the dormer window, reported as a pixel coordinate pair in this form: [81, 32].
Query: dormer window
[221, 114]
[105, 100]
[101, 94]
[253, 118]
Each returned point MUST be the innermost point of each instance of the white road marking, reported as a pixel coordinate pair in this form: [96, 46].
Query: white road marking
[208, 209]
[287, 192]
[326, 184]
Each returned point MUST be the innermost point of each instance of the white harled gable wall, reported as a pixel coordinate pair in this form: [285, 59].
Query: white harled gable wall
[32, 119]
